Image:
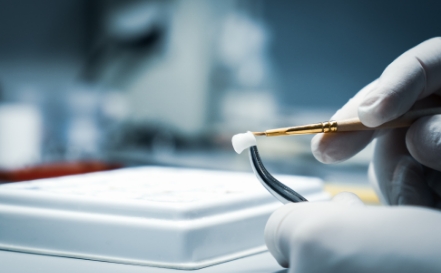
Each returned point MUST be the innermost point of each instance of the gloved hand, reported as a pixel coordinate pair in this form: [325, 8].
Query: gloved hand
[331, 237]
[407, 162]
[335, 237]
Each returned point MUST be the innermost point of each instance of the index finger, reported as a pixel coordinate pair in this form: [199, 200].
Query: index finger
[412, 76]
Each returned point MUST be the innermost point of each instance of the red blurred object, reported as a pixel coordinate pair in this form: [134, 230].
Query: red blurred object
[55, 170]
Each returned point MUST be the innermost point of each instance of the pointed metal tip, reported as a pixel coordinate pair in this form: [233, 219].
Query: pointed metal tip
[259, 133]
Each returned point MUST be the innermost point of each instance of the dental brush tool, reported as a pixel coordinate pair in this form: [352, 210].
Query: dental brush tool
[277, 188]
[348, 125]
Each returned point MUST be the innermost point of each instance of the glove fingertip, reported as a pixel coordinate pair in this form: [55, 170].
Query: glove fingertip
[319, 150]
[272, 236]
[348, 199]
[423, 141]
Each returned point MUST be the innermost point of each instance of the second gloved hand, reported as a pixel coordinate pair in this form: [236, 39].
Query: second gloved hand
[337, 237]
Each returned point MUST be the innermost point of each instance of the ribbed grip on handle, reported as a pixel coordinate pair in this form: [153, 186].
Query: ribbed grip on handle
[322, 127]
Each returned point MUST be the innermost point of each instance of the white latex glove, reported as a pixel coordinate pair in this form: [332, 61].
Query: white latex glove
[334, 237]
[331, 237]
[407, 162]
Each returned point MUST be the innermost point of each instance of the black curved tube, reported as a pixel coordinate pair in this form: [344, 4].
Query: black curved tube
[274, 186]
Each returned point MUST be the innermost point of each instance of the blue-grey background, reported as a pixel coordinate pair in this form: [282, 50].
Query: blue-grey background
[169, 82]
[325, 51]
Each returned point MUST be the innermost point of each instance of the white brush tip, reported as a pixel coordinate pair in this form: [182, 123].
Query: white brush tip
[243, 141]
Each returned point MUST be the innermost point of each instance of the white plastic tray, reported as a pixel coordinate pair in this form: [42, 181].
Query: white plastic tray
[165, 217]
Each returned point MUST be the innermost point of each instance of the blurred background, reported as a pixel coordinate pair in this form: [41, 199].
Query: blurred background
[92, 85]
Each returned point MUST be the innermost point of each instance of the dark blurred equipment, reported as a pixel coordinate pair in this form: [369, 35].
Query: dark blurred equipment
[130, 27]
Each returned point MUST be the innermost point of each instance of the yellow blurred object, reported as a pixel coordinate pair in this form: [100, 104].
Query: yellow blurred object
[366, 193]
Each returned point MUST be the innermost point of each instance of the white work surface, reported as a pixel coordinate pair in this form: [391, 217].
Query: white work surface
[141, 219]
[15, 262]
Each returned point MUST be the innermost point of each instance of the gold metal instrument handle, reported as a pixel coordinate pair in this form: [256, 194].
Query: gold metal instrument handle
[322, 127]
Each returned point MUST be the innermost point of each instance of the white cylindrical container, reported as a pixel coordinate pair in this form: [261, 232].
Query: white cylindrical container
[20, 135]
